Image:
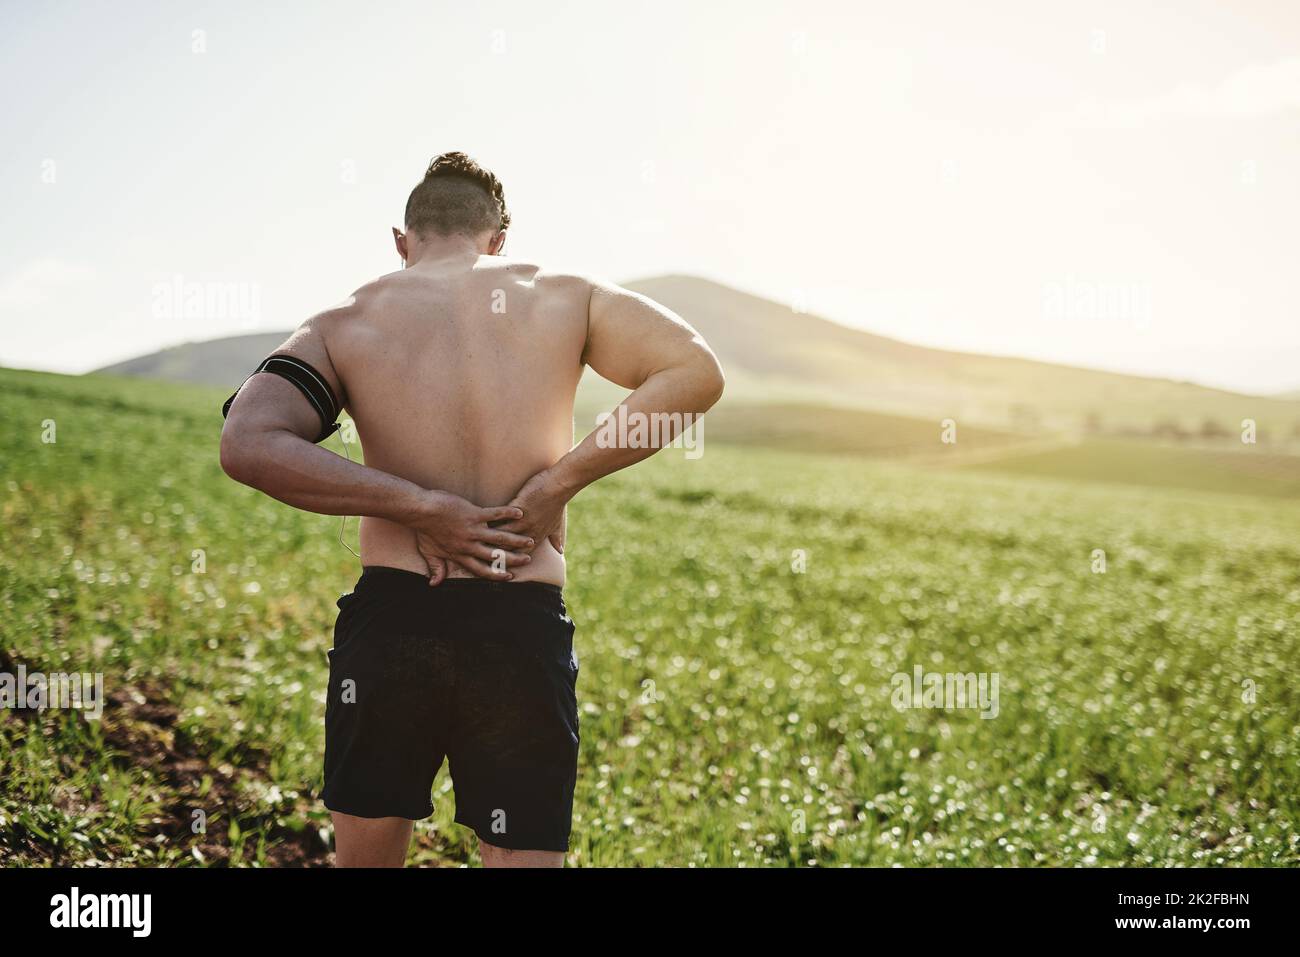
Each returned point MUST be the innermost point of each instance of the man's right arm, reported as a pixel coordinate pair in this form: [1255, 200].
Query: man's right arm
[638, 344]
[634, 342]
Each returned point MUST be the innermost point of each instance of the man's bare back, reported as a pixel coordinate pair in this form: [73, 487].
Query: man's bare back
[461, 376]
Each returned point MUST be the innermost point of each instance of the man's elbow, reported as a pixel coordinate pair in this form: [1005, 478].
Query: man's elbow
[238, 457]
[712, 381]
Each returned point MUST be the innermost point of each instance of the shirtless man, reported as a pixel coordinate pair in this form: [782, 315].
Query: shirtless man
[459, 372]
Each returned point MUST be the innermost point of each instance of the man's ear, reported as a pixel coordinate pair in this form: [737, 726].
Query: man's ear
[399, 240]
[497, 245]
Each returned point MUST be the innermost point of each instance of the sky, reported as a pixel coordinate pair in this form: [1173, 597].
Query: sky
[1106, 184]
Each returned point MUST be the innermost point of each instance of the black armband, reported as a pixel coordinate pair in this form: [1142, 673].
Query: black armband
[309, 382]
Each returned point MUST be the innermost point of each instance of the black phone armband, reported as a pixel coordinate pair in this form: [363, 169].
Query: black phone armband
[309, 382]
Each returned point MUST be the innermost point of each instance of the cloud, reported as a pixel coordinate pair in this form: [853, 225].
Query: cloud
[1253, 91]
[37, 280]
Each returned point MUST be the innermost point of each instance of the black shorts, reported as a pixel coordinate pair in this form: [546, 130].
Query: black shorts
[482, 673]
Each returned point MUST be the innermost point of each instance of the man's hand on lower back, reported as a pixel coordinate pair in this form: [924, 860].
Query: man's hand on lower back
[450, 528]
[541, 500]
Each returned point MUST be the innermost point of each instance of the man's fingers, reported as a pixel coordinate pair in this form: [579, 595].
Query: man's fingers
[437, 566]
[556, 535]
[499, 555]
[482, 569]
[499, 536]
[437, 571]
[500, 513]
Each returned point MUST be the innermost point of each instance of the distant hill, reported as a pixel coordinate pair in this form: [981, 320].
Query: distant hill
[220, 362]
[798, 352]
[774, 354]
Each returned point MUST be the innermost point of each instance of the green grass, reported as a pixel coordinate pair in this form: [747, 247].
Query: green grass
[734, 711]
[1242, 470]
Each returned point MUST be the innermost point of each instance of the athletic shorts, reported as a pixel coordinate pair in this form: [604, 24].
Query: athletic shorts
[479, 672]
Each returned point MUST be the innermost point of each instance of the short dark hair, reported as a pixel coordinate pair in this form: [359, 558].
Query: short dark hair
[457, 197]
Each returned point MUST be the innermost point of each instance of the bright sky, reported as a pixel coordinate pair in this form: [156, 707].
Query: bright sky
[1111, 184]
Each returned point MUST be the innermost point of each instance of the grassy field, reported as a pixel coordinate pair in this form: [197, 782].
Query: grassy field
[1220, 469]
[740, 620]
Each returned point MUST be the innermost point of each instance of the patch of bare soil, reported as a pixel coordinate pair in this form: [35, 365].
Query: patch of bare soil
[140, 727]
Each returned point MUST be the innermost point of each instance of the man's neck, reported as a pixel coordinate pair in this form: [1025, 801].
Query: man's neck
[449, 249]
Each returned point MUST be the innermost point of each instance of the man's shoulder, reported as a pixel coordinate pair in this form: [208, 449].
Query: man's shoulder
[354, 307]
[542, 277]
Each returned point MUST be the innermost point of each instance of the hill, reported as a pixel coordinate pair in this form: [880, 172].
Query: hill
[774, 354]
[217, 362]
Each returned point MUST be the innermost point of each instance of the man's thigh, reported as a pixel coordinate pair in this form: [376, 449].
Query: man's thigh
[504, 857]
[370, 841]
